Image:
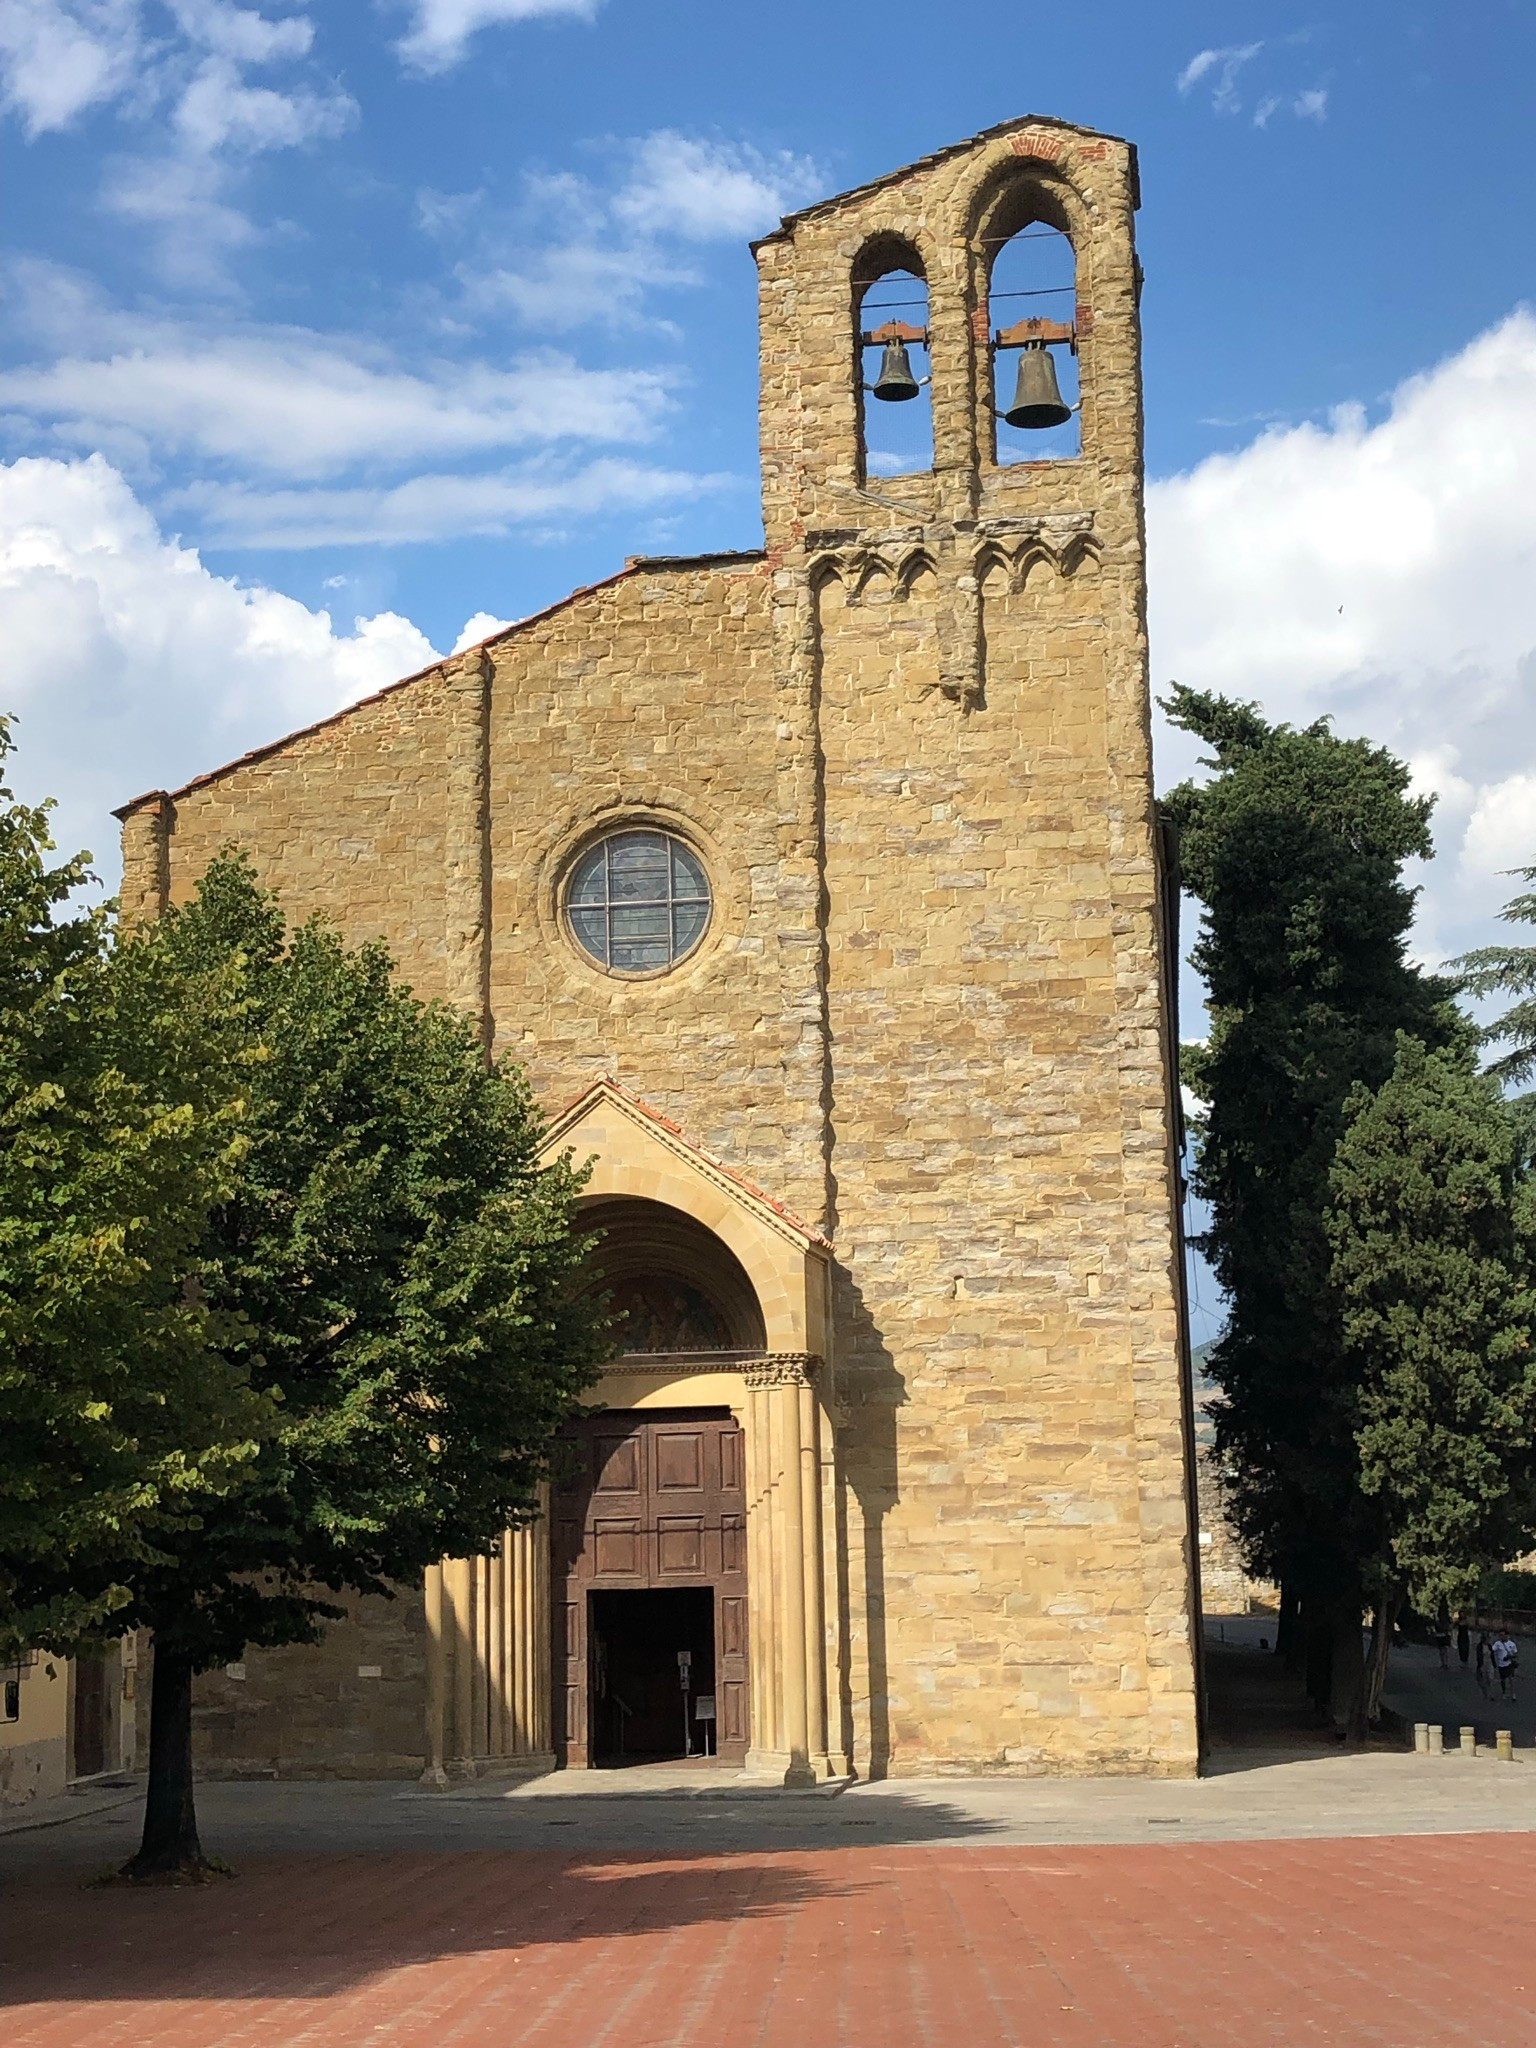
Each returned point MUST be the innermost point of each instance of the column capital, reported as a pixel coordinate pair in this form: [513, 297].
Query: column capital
[782, 1369]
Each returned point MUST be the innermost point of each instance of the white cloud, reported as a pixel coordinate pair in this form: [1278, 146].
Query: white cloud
[703, 191]
[192, 226]
[441, 507]
[1381, 573]
[440, 30]
[1311, 105]
[1501, 832]
[219, 111]
[60, 57]
[56, 60]
[479, 628]
[597, 254]
[299, 404]
[242, 33]
[572, 284]
[1221, 66]
[130, 666]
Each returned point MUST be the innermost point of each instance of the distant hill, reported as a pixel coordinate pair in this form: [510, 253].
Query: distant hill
[1203, 1387]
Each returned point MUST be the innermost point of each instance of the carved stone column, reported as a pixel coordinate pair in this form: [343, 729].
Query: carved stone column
[459, 1589]
[488, 1659]
[526, 1736]
[785, 1569]
[435, 1772]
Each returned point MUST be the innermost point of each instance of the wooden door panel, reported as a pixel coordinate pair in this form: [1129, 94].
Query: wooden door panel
[571, 1680]
[680, 1545]
[679, 1463]
[733, 1625]
[618, 1550]
[620, 1465]
[732, 1470]
[731, 1707]
[644, 1501]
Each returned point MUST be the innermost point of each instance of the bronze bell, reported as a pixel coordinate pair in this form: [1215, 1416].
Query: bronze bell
[895, 380]
[1037, 402]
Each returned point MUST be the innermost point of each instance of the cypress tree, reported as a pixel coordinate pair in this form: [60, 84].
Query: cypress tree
[1295, 847]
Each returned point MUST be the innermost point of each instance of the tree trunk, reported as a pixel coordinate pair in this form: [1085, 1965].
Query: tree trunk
[1381, 1648]
[1319, 1653]
[1288, 1646]
[170, 1852]
[1346, 1701]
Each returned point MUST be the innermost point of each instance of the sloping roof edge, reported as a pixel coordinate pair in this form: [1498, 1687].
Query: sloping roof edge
[790, 221]
[606, 1089]
[636, 565]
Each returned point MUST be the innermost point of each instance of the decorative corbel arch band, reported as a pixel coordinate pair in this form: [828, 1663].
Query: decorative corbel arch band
[1017, 546]
[856, 567]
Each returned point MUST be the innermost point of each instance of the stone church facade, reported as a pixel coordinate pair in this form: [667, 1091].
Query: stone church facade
[819, 889]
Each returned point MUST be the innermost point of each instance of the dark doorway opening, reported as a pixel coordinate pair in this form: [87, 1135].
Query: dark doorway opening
[642, 1710]
[89, 1745]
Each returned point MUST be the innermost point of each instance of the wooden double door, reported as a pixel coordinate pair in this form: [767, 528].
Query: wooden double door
[648, 1543]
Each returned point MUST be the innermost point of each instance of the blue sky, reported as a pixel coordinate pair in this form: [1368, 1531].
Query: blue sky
[330, 332]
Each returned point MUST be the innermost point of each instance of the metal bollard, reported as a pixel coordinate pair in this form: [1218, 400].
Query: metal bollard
[1469, 1742]
[1436, 1739]
[1506, 1745]
[1421, 1737]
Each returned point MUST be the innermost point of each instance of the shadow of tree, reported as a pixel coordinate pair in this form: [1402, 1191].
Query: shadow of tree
[305, 1927]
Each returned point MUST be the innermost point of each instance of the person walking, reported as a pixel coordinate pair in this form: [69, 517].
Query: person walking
[1443, 1645]
[1463, 1643]
[1506, 1662]
[1485, 1664]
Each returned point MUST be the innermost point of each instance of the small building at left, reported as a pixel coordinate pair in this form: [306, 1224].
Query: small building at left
[66, 1719]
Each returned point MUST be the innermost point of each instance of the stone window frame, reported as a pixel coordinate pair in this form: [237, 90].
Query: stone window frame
[605, 839]
[886, 251]
[1023, 193]
[658, 810]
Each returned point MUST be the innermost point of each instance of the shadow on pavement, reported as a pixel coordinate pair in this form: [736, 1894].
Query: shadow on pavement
[1256, 1711]
[316, 1926]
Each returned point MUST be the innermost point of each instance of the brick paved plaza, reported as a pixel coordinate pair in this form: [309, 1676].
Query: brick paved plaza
[1391, 1941]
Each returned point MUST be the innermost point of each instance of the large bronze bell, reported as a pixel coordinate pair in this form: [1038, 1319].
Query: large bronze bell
[1037, 402]
[895, 380]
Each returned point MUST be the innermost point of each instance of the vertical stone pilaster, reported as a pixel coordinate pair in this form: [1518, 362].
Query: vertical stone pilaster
[489, 1659]
[496, 1651]
[785, 1570]
[435, 1772]
[459, 1586]
[528, 1738]
[812, 1553]
[466, 839]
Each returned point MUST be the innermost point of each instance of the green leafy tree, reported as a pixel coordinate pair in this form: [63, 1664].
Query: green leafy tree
[1430, 1227]
[1510, 970]
[118, 1131]
[397, 1274]
[1294, 847]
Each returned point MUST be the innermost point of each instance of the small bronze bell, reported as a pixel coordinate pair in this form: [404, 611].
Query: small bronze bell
[895, 380]
[1037, 402]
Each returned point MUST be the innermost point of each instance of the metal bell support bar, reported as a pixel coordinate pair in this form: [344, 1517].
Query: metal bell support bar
[1037, 400]
[895, 380]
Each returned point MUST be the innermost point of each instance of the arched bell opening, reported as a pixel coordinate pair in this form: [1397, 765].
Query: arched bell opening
[1032, 330]
[891, 360]
[674, 1288]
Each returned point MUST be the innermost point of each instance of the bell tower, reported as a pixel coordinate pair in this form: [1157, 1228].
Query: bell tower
[968, 846]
